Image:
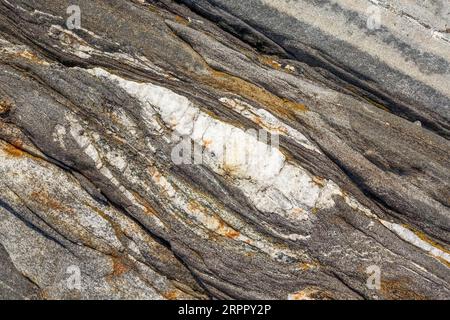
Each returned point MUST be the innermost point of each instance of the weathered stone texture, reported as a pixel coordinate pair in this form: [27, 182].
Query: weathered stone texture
[90, 119]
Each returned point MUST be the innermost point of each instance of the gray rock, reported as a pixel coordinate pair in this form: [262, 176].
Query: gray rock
[96, 201]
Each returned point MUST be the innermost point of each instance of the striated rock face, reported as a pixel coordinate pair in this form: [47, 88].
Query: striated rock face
[226, 149]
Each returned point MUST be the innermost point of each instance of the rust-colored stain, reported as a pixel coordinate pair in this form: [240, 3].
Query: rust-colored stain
[319, 181]
[224, 81]
[172, 295]
[425, 238]
[119, 267]
[31, 56]
[117, 230]
[305, 266]
[311, 294]
[370, 101]
[45, 199]
[398, 290]
[155, 174]
[298, 296]
[257, 120]
[232, 234]
[195, 206]
[223, 229]
[181, 20]
[144, 203]
[206, 142]
[17, 143]
[5, 106]
[227, 231]
[442, 260]
[268, 61]
[13, 151]
[43, 294]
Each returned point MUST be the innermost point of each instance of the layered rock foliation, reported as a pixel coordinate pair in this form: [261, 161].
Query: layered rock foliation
[352, 203]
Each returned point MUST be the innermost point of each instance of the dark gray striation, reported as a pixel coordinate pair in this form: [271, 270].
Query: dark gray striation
[90, 119]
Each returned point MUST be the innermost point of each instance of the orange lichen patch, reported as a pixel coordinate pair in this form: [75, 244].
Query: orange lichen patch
[370, 101]
[398, 290]
[181, 20]
[422, 236]
[310, 294]
[301, 295]
[425, 238]
[166, 187]
[319, 181]
[117, 230]
[257, 120]
[442, 260]
[5, 106]
[279, 130]
[227, 231]
[305, 266]
[48, 201]
[229, 169]
[17, 143]
[172, 295]
[295, 106]
[118, 267]
[32, 57]
[144, 203]
[97, 210]
[232, 234]
[194, 206]
[206, 142]
[268, 61]
[43, 294]
[14, 147]
[155, 174]
[147, 207]
[13, 151]
[274, 129]
[224, 81]
[216, 224]
[114, 117]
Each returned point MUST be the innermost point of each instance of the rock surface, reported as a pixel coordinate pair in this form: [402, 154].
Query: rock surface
[96, 202]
